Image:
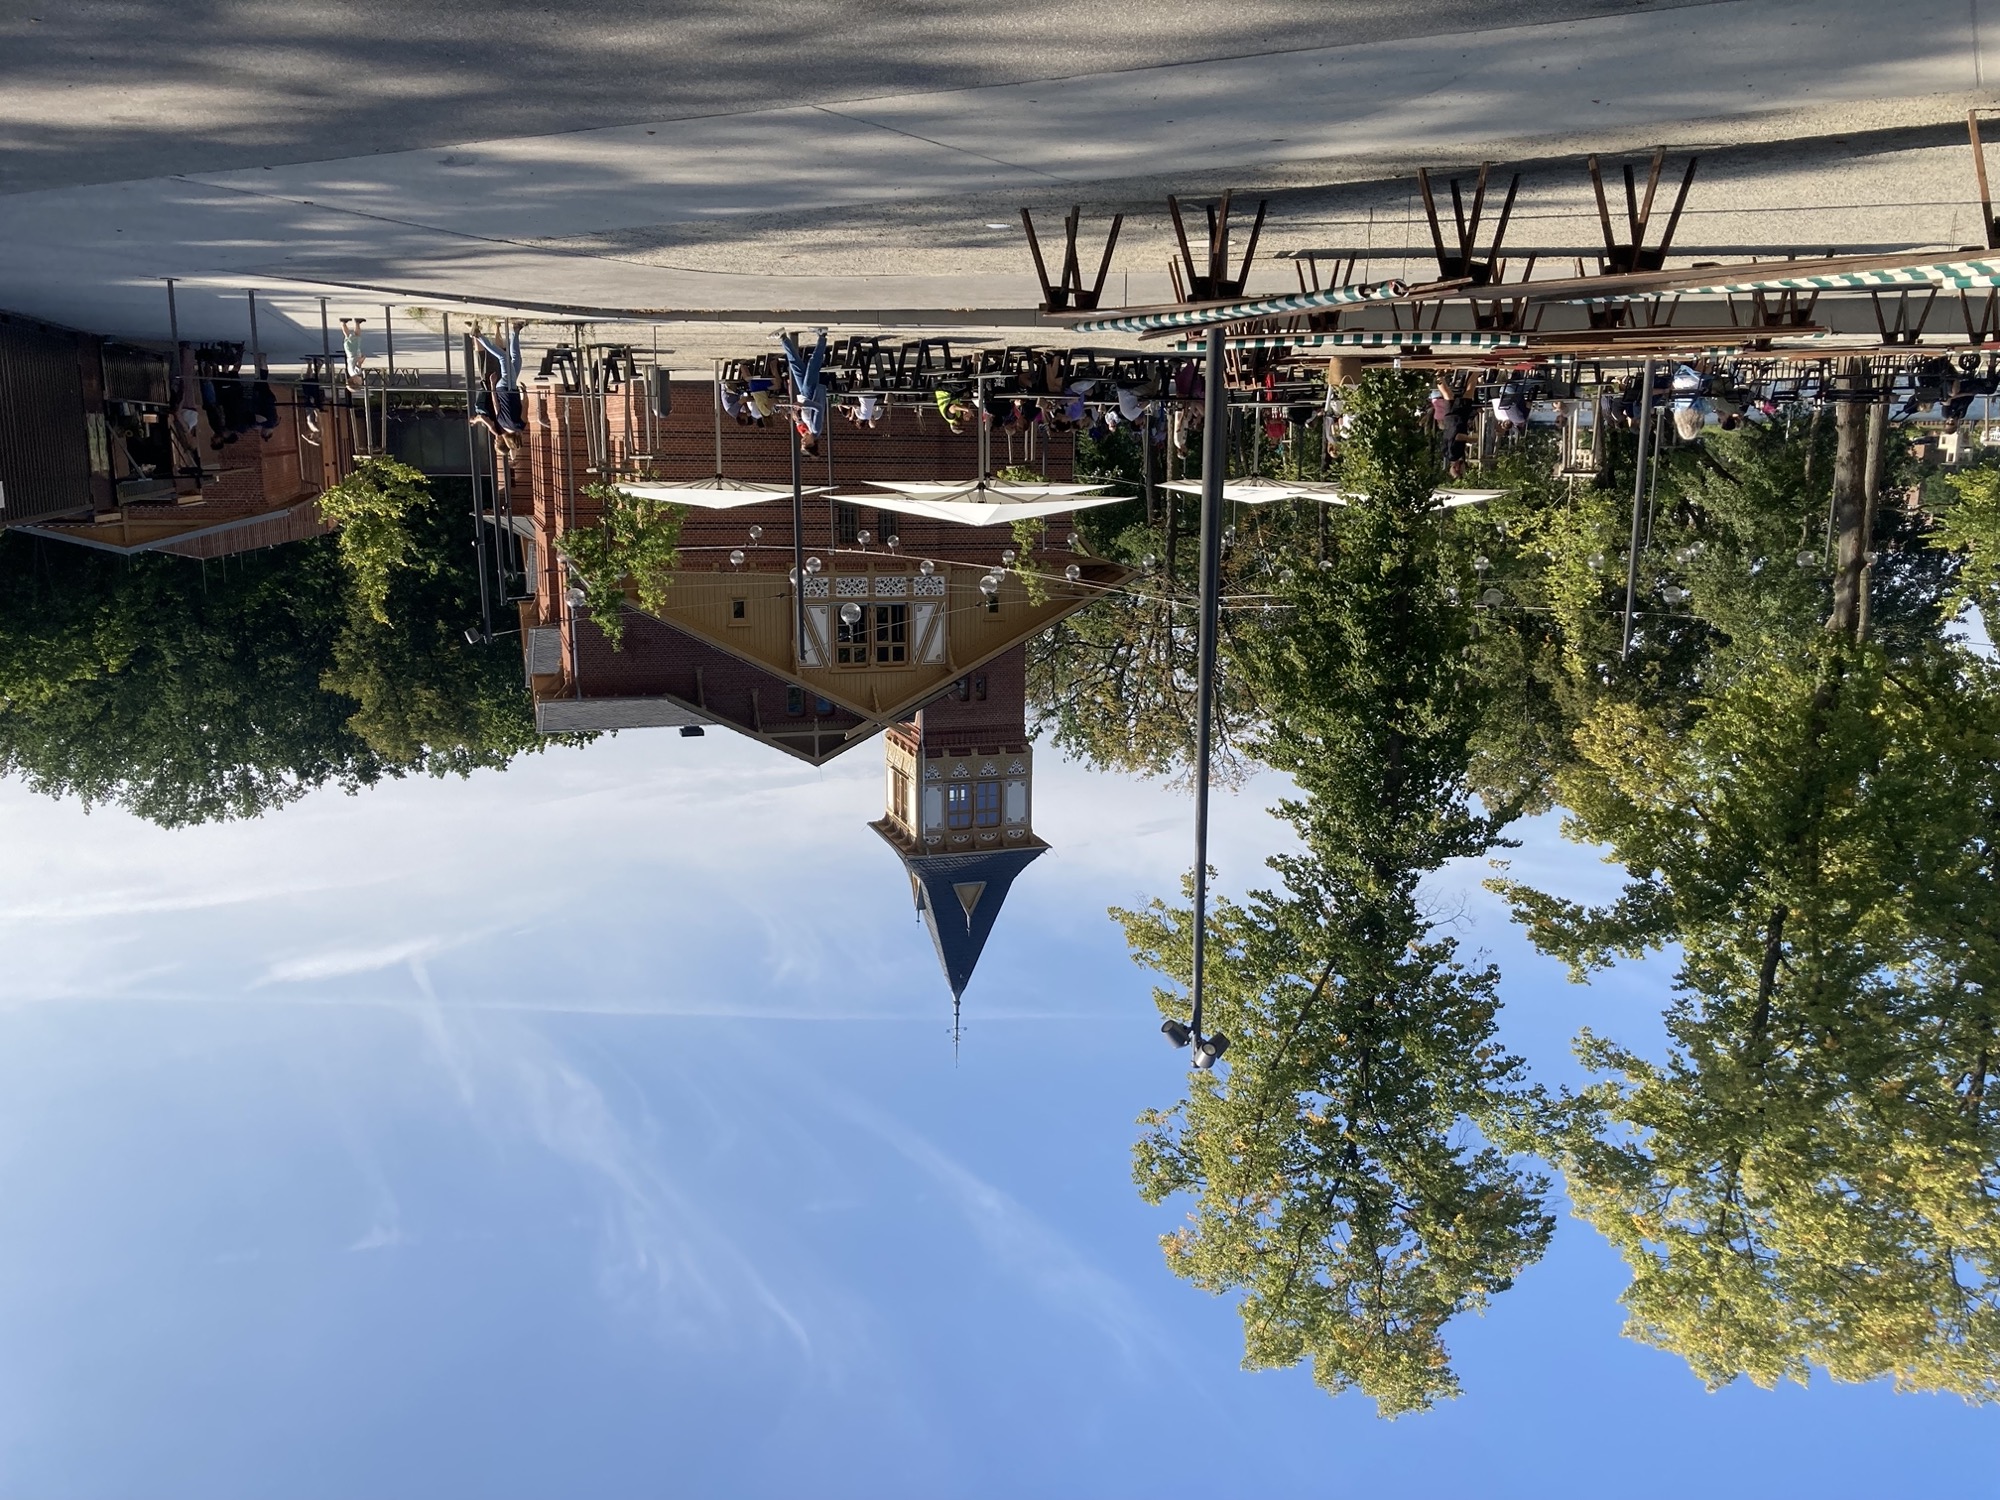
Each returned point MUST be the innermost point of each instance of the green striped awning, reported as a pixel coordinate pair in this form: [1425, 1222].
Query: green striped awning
[1943, 274]
[1237, 312]
[1382, 338]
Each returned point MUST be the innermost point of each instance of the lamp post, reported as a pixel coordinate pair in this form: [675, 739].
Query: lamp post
[1214, 459]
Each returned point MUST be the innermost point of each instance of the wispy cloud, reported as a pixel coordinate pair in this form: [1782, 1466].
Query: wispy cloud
[338, 963]
[1021, 1244]
[95, 906]
[660, 1252]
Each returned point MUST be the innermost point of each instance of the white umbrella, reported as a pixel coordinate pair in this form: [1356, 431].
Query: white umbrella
[981, 490]
[716, 493]
[1250, 491]
[981, 502]
[1333, 495]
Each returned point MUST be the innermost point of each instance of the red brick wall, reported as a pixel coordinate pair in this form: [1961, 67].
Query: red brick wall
[1000, 719]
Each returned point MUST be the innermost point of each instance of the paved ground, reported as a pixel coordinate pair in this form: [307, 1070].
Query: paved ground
[904, 200]
[105, 90]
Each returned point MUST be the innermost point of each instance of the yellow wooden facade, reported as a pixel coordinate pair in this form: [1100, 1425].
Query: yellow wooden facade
[917, 632]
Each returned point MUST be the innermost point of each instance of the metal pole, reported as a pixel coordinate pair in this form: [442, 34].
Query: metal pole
[256, 347]
[473, 434]
[389, 357]
[798, 540]
[447, 348]
[982, 427]
[173, 315]
[325, 338]
[716, 366]
[1146, 457]
[1638, 507]
[1214, 457]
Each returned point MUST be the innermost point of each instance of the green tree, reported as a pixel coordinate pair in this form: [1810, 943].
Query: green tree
[1338, 1171]
[1811, 1178]
[1969, 522]
[423, 696]
[1338, 1183]
[635, 541]
[184, 693]
[372, 507]
[188, 692]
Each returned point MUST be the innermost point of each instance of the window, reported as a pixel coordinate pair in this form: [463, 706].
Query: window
[986, 804]
[958, 805]
[979, 687]
[739, 611]
[892, 634]
[846, 524]
[850, 642]
[881, 637]
[899, 797]
[795, 701]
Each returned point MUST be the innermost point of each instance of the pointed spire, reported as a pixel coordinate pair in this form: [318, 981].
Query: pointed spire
[960, 897]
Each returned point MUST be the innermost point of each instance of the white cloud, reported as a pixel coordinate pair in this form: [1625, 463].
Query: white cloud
[340, 962]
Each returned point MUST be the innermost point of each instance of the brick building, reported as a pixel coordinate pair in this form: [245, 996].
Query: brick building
[897, 636]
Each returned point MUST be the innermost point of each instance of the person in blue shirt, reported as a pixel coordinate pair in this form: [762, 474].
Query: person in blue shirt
[808, 395]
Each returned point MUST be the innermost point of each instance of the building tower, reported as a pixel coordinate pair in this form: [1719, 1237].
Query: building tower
[960, 803]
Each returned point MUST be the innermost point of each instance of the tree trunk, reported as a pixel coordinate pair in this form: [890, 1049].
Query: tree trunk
[1850, 502]
[1767, 977]
[1878, 431]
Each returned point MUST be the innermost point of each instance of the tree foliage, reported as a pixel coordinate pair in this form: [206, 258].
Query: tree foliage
[372, 507]
[184, 693]
[635, 540]
[424, 696]
[1340, 1179]
[1807, 1178]
[190, 692]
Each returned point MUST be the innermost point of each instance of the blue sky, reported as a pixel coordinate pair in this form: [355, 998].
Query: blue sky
[595, 1129]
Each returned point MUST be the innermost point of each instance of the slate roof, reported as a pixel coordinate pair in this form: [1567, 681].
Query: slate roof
[960, 896]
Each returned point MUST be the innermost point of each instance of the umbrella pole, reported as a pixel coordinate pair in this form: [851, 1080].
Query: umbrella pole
[798, 548]
[1638, 509]
[716, 367]
[1214, 455]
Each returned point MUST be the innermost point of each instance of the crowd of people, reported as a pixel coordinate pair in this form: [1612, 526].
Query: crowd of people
[1161, 398]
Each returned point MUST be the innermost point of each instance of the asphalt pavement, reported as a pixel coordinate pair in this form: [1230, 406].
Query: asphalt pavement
[98, 91]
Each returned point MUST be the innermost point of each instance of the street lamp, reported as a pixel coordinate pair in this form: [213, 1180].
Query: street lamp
[1214, 458]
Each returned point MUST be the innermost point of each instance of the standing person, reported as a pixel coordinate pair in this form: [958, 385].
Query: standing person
[808, 395]
[350, 346]
[189, 411]
[507, 405]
